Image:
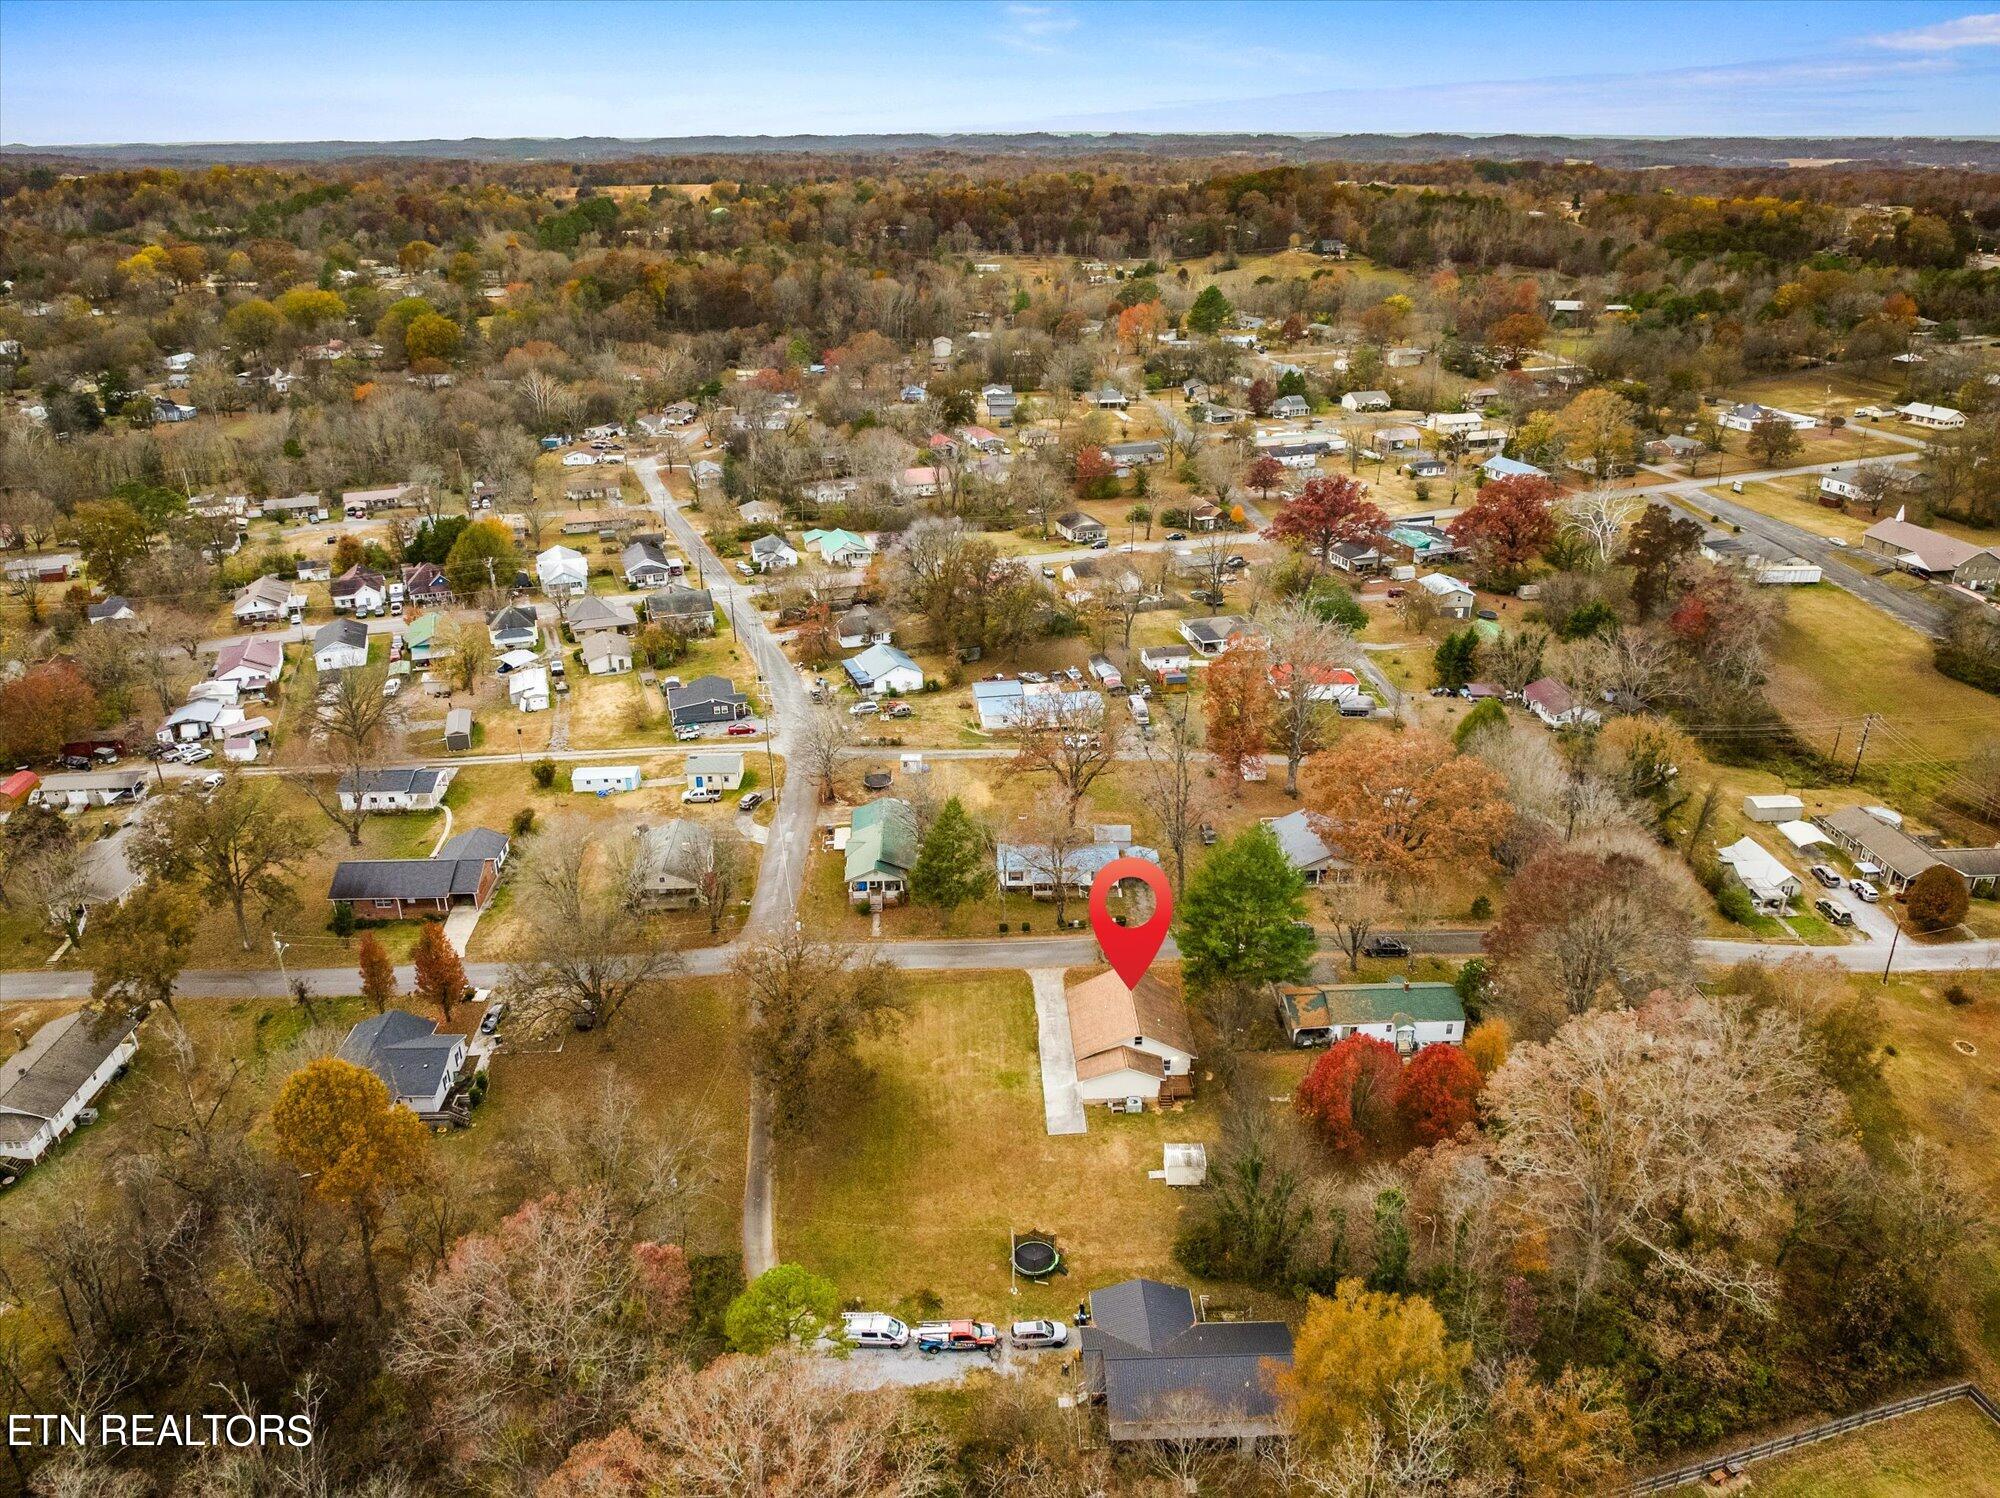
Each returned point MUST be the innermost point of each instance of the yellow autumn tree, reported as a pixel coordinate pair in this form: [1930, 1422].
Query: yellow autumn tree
[1358, 1354]
[1600, 427]
[1487, 1044]
[335, 1123]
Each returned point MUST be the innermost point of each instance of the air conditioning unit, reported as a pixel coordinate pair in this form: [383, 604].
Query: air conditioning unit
[1135, 1105]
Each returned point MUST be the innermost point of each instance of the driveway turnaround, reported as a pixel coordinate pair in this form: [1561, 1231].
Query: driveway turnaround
[1062, 1104]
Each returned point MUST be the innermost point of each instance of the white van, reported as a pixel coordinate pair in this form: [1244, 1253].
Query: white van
[1140, 713]
[873, 1329]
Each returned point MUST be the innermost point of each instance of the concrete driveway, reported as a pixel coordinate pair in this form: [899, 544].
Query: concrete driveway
[1062, 1104]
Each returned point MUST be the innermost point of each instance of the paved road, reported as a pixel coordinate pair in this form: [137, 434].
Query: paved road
[1004, 954]
[788, 844]
[1843, 566]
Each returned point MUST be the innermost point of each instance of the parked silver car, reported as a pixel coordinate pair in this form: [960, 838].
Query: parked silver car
[1038, 1334]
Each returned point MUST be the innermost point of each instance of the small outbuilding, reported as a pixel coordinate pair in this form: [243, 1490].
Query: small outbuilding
[1773, 808]
[604, 780]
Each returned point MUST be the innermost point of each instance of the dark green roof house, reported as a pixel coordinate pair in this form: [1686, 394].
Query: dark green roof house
[1408, 1015]
[881, 850]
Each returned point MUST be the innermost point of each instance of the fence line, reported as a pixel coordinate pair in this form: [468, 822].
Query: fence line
[1662, 1482]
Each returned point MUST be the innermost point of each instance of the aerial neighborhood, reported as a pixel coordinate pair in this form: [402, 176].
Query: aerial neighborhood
[582, 737]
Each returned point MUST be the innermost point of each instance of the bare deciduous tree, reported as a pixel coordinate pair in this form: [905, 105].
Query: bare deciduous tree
[1664, 1132]
[1062, 733]
[586, 953]
[810, 1000]
[350, 722]
[1171, 784]
[1303, 647]
[823, 736]
[771, 1424]
[1599, 518]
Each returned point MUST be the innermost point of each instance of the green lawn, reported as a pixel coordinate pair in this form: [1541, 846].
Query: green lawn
[1837, 657]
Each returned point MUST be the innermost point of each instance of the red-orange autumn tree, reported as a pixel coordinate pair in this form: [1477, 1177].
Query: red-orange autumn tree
[440, 975]
[1508, 524]
[378, 974]
[1139, 325]
[1439, 1094]
[1329, 511]
[1349, 1097]
[1405, 808]
[1096, 474]
[1238, 707]
[42, 709]
[1264, 475]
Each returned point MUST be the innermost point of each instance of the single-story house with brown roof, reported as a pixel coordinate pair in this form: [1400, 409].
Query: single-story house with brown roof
[1130, 1042]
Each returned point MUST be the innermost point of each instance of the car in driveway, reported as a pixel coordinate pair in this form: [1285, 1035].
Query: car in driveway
[494, 1014]
[1840, 915]
[1386, 946]
[1826, 876]
[740, 730]
[957, 1336]
[873, 1329]
[1038, 1334]
[1864, 891]
[210, 783]
[864, 709]
[700, 795]
[751, 801]
[898, 710]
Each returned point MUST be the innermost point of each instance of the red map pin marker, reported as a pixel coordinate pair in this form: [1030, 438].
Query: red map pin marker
[1131, 949]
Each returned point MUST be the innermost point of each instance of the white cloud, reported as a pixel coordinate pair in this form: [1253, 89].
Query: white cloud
[1041, 20]
[1946, 36]
[1034, 28]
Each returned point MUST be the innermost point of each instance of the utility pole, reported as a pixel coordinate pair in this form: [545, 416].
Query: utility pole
[1893, 938]
[1861, 748]
[278, 946]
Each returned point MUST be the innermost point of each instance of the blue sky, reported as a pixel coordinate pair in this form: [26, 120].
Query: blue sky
[81, 71]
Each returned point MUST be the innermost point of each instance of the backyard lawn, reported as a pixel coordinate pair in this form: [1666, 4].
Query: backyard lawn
[1950, 1448]
[1943, 1081]
[941, 1151]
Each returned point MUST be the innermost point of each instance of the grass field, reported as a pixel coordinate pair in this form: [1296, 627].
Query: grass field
[1949, 1449]
[1793, 500]
[1836, 658]
[1929, 1086]
[942, 1151]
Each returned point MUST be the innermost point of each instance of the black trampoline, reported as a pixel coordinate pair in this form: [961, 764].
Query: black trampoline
[1036, 1256]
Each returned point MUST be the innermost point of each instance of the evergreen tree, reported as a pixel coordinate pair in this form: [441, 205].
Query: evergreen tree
[1241, 919]
[1210, 311]
[951, 864]
[1456, 658]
